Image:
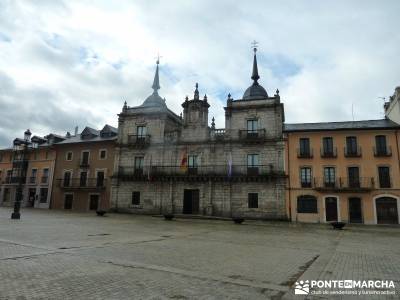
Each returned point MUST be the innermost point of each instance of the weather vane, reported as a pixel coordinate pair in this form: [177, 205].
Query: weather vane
[254, 44]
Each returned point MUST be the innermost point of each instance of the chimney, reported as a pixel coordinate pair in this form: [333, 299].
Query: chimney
[76, 130]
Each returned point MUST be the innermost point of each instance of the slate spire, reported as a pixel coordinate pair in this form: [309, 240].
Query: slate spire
[156, 82]
[255, 75]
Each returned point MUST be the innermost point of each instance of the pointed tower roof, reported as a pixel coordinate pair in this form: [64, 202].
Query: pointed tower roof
[255, 91]
[156, 81]
[154, 99]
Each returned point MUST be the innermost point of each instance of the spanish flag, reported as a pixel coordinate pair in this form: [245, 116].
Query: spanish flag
[184, 163]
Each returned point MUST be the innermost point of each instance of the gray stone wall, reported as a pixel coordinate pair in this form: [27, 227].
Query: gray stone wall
[173, 137]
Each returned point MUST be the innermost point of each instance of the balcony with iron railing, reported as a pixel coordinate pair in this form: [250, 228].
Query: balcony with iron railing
[138, 140]
[220, 171]
[81, 183]
[252, 135]
[383, 151]
[344, 184]
[305, 153]
[329, 152]
[352, 151]
[84, 164]
[44, 180]
[14, 180]
[32, 179]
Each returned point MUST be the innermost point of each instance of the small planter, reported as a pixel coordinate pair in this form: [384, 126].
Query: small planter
[168, 217]
[238, 220]
[101, 213]
[338, 225]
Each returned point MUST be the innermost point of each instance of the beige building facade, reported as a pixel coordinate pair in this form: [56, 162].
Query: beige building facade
[343, 171]
[84, 167]
[38, 169]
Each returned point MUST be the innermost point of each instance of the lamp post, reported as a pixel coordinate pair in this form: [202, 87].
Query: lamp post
[20, 149]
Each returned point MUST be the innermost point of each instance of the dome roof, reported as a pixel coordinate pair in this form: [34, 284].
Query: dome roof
[255, 91]
[154, 100]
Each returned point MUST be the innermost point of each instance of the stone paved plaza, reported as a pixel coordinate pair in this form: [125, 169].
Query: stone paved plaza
[65, 255]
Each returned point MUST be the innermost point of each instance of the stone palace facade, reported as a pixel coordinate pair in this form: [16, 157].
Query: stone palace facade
[167, 163]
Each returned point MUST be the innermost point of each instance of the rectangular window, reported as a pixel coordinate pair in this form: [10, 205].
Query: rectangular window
[8, 176]
[384, 177]
[32, 179]
[252, 160]
[1, 157]
[43, 195]
[327, 146]
[103, 154]
[353, 177]
[192, 164]
[100, 179]
[252, 126]
[329, 176]
[307, 205]
[351, 146]
[45, 177]
[305, 177]
[253, 200]
[135, 198]
[83, 178]
[69, 156]
[380, 143]
[141, 131]
[85, 158]
[192, 161]
[139, 162]
[305, 147]
[47, 155]
[67, 179]
[252, 164]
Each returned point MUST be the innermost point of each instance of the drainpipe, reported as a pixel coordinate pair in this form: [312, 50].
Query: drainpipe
[288, 169]
[397, 147]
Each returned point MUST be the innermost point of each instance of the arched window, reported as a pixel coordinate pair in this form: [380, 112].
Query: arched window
[307, 204]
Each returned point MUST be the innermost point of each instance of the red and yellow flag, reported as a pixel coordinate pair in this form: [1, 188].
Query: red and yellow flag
[184, 162]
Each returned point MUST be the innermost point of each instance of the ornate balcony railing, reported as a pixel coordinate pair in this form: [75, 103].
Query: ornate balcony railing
[352, 151]
[329, 153]
[32, 180]
[14, 180]
[344, 184]
[252, 135]
[138, 140]
[305, 153]
[81, 183]
[383, 151]
[44, 179]
[219, 171]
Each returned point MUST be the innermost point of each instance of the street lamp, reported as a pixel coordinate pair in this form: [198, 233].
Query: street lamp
[20, 165]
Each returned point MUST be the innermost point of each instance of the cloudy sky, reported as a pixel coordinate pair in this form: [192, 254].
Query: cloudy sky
[73, 63]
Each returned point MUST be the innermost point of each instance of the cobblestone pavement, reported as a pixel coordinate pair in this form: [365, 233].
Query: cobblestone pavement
[66, 255]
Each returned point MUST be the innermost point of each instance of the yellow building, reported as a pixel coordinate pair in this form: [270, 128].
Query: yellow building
[343, 171]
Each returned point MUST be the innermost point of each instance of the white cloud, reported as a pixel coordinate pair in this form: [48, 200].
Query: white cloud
[81, 60]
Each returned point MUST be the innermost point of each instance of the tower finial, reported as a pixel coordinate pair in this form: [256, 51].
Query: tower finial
[156, 82]
[255, 75]
[196, 92]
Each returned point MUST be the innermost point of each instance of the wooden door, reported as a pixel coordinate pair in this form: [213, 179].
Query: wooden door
[331, 209]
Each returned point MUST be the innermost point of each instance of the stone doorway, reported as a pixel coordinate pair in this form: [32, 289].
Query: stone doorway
[191, 202]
